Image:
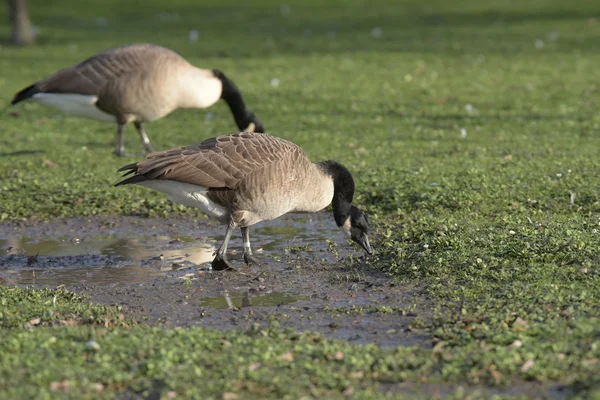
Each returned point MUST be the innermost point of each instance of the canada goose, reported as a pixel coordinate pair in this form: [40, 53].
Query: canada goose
[137, 83]
[245, 178]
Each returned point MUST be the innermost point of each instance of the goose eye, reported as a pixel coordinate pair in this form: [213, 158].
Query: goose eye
[361, 224]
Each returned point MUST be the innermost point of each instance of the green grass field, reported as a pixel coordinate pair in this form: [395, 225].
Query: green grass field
[472, 129]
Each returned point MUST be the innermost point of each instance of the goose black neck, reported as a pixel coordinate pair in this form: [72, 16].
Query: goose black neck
[233, 97]
[343, 190]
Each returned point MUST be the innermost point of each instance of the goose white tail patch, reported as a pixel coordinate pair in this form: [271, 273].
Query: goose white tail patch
[188, 195]
[78, 105]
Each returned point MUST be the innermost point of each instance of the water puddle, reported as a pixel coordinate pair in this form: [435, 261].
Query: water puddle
[119, 256]
[111, 248]
[101, 260]
[247, 299]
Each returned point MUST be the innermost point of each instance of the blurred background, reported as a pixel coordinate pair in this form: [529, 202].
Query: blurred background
[386, 59]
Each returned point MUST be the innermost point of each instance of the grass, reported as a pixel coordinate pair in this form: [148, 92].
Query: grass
[88, 358]
[52, 307]
[471, 128]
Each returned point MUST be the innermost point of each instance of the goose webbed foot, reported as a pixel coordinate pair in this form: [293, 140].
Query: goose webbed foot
[221, 263]
[123, 153]
[147, 149]
[249, 259]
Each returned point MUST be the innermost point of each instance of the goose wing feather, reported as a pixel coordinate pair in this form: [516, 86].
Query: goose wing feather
[219, 162]
[90, 77]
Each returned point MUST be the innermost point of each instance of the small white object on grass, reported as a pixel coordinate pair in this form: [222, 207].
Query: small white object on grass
[193, 35]
[539, 44]
[516, 344]
[101, 21]
[376, 32]
[463, 133]
[285, 10]
[527, 366]
[275, 82]
[469, 108]
[572, 199]
[92, 344]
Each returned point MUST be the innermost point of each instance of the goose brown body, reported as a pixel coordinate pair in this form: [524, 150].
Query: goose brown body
[245, 178]
[255, 177]
[137, 83]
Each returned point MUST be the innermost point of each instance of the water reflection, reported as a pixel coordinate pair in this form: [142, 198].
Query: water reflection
[102, 260]
[121, 257]
[248, 299]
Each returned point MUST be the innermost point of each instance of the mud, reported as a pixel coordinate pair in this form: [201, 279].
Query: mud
[159, 271]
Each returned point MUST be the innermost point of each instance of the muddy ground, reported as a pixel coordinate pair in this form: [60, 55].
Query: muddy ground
[159, 271]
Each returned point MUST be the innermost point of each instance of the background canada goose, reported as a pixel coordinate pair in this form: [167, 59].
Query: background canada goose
[137, 83]
[245, 178]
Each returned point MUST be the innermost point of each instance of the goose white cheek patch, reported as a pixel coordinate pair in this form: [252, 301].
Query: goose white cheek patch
[250, 127]
[346, 228]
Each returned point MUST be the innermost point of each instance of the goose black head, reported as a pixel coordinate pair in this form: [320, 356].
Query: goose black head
[347, 216]
[357, 228]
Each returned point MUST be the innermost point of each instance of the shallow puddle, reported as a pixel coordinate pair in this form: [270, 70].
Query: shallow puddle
[101, 260]
[115, 255]
[158, 271]
[247, 299]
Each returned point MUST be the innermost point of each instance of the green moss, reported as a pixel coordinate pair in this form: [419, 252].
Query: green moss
[30, 307]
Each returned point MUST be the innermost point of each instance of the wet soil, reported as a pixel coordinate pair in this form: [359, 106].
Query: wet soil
[159, 271]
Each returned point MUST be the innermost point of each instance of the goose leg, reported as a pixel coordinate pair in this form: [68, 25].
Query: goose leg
[144, 137]
[221, 262]
[120, 150]
[248, 259]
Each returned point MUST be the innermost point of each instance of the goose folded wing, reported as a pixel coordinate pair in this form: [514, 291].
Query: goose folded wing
[89, 77]
[220, 162]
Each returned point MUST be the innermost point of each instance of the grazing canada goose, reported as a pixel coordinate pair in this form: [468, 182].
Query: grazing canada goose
[245, 178]
[137, 83]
